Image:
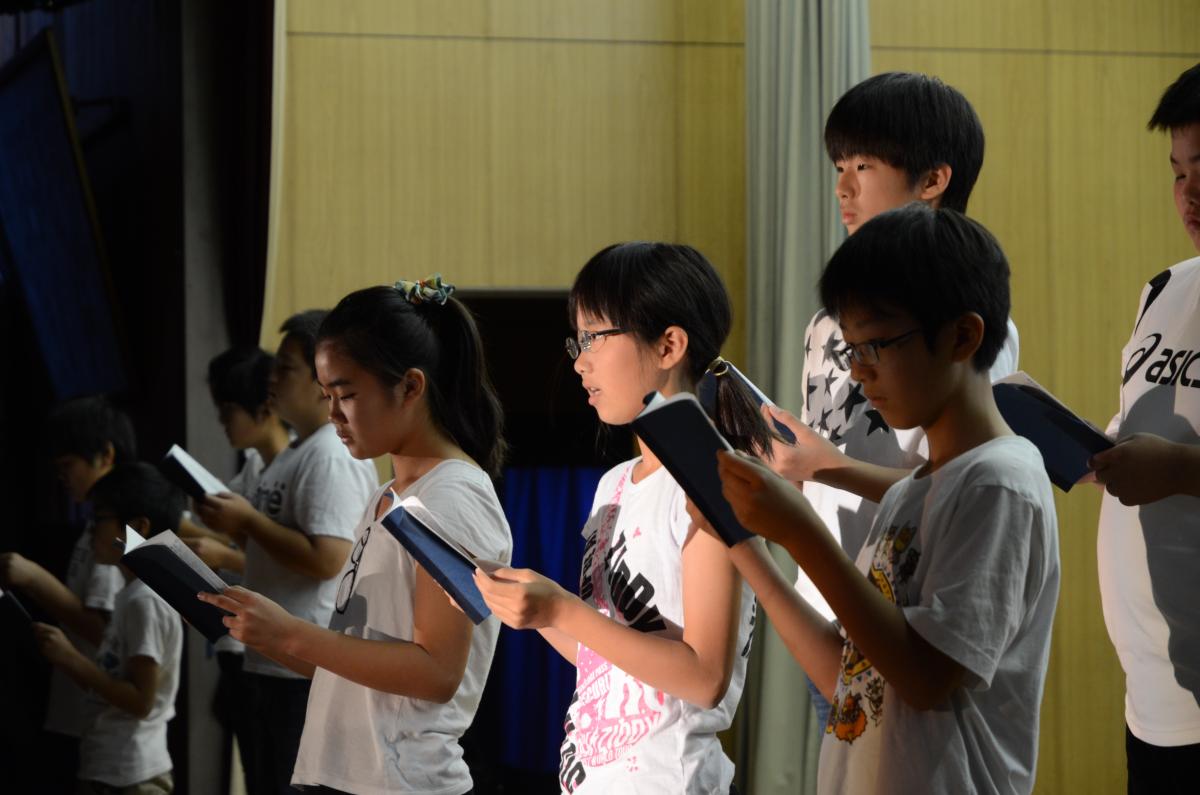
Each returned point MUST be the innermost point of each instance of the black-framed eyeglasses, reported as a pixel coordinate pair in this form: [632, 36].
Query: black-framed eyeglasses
[867, 352]
[346, 586]
[587, 339]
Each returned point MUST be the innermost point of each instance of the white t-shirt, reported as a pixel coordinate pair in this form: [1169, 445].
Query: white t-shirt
[622, 735]
[1149, 555]
[96, 585]
[317, 487]
[117, 748]
[836, 408]
[368, 742]
[970, 554]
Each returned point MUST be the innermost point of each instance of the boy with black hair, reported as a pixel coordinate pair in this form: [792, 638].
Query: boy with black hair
[86, 438]
[238, 380]
[296, 532]
[938, 659]
[894, 138]
[1149, 541]
[133, 678]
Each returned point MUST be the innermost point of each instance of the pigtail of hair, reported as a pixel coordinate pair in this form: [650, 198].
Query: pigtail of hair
[737, 413]
[466, 405]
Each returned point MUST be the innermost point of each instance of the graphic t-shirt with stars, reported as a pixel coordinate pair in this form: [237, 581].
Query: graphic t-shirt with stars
[970, 555]
[836, 408]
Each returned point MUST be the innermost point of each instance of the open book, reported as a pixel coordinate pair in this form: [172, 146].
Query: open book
[187, 473]
[706, 393]
[678, 431]
[174, 572]
[448, 562]
[1065, 440]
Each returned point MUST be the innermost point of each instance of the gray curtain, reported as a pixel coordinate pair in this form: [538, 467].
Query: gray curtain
[801, 55]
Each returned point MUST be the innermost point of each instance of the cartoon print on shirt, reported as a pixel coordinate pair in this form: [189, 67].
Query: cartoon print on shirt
[893, 564]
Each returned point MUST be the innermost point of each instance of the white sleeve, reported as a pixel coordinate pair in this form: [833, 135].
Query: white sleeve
[329, 496]
[103, 583]
[973, 597]
[145, 627]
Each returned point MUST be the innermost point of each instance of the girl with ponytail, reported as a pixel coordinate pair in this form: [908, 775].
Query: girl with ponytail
[398, 674]
[660, 629]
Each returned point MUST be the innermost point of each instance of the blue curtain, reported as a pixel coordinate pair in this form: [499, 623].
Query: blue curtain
[530, 685]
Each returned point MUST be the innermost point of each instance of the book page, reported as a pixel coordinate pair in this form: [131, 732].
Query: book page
[205, 479]
[180, 550]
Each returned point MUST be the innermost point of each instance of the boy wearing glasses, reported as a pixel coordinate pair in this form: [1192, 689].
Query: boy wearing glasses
[296, 533]
[937, 662]
[894, 138]
[132, 679]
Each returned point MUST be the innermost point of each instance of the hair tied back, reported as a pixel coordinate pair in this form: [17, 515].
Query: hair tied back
[718, 367]
[430, 290]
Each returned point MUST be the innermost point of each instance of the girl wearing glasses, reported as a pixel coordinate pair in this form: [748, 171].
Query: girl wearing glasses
[661, 627]
[398, 674]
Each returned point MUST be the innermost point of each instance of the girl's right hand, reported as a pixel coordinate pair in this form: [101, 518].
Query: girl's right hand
[522, 598]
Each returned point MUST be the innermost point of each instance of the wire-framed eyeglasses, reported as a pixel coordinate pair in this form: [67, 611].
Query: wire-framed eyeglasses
[346, 586]
[587, 339]
[867, 352]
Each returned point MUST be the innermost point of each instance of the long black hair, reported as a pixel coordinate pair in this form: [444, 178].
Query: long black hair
[386, 334]
[645, 287]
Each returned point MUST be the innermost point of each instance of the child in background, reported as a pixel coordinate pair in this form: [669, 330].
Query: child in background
[296, 534]
[87, 437]
[398, 674]
[238, 380]
[660, 631]
[133, 678]
[937, 662]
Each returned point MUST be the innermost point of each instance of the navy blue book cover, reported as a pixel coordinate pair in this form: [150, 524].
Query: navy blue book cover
[449, 566]
[1065, 441]
[683, 437]
[173, 571]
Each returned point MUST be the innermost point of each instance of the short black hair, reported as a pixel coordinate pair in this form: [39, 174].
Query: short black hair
[239, 376]
[1180, 103]
[86, 426]
[912, 122]
[935, 265]
[303, 328]
[139, 489]
[646, 287]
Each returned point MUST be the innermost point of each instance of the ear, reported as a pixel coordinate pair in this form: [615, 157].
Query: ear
[933, 185]
[106, 457]
[141, 524]
[968, 336]
[671, 347]
[412, 386]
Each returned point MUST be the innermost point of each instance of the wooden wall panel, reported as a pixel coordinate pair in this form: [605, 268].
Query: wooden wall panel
[1124, 26]
[936, 24]
[484, 142]
[612, 20]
